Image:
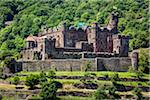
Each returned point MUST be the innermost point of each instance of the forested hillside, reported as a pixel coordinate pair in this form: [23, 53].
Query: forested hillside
[28, 16]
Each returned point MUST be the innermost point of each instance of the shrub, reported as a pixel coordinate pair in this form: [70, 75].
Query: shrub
[32, 80]
[51, 74]
[115, 77]
[16, 80]
[58, 84]
[92, 75]
[49, 90]
[112, 93]
[144, 69]
[100, 94]
[114, 83]
[139, 75]
[137, 93]
[42, 78]
[106, 93]
[143, 61]
[89, 78]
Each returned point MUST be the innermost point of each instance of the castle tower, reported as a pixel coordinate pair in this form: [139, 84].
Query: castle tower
[113, 23]
[121, 45]
[48, 47]
[92, 34]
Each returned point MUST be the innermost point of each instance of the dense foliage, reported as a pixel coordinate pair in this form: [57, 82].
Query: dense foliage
[144, 61]
[32, 80]
[29, 16]
[48, 91]
[106, 93]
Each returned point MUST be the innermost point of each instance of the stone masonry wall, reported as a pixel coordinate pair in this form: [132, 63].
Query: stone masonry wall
[98, 64]
[113, 64]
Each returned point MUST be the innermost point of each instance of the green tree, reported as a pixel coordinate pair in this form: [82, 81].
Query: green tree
[144, 61]
[106, 93]
[9, 62]
[32, 80]
[100, 94]
[19, 42]
[49, 90]
[42, 78]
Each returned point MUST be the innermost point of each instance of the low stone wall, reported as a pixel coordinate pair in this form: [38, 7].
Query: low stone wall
[98, 64]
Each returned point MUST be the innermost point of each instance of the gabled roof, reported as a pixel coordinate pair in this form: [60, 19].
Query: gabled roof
[32, 38]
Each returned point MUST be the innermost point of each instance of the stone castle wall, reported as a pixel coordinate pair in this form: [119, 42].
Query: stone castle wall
[98, 64]
[113, 64]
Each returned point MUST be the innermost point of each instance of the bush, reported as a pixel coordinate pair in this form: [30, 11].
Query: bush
[89, 78]
[139, 75]
[90, 75]
[144, 61]
[115, 77]
[49, 90]
[32, 80]
[42, 78]
[16, 80]
[145, 69]
[106, 93]
[137, 93]
[58, 84]
[51, 74]
[114, 83]
[112, 94]
[100, 94]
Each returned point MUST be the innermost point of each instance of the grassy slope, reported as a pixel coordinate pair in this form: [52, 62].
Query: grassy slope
[101, 82]
[101, 73]
[75, 98]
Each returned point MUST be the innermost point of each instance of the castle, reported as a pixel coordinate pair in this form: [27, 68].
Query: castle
[75, 43]
[67, 48]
